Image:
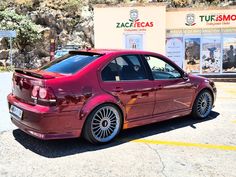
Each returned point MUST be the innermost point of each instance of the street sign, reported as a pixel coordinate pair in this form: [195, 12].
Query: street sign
[7, 33]
[10, 34]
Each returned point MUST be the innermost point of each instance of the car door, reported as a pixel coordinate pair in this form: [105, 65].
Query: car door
[126, 78]
[173, 92]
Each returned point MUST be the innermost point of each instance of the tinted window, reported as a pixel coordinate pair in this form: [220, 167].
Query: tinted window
[128, 67]
[161, 69]
[69, 64]
[110, 72]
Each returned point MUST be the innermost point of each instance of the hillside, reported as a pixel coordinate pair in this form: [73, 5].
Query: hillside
[37, 22]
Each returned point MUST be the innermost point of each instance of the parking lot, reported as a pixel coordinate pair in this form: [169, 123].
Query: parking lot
[182, 147]
[5, 88]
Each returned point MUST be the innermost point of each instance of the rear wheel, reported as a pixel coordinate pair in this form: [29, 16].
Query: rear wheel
[103, 124]
[202, 105]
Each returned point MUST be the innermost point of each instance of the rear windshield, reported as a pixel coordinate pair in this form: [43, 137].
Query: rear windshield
[69, 64]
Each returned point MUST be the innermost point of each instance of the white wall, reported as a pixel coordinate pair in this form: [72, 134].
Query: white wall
[107, 35]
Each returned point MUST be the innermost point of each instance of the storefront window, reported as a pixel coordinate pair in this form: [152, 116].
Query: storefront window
[229, 54]
[211, 51]
[211, 54]
[192, 54]
[174, 50]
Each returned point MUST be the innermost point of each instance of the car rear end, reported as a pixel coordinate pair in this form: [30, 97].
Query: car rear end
[33, 105]
[40, 100]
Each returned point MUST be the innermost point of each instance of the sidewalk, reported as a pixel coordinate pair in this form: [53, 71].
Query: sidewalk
[222, 78]
[5, 89]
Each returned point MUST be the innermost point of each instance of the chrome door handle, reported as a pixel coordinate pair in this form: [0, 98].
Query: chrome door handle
[159, 87]
[144, 94]
[118, 89]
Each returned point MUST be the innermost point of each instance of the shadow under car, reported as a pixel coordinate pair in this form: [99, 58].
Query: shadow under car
[65, 147]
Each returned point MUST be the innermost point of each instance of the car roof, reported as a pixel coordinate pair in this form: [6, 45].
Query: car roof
[111, 51]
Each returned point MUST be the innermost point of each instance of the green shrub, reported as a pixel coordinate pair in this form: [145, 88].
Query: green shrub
[5, 69]
[27, 33]
[73, 5]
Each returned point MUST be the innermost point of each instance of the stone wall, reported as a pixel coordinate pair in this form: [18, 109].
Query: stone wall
[61, 20]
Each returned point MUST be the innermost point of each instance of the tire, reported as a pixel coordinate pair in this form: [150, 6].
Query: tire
[103, 124]
[202, 105]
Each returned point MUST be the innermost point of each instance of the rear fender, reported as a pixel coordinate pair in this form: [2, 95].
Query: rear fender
[97, 100]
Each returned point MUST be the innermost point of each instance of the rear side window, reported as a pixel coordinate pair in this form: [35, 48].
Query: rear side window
[126, 67]
[69, 64]
[110, 72]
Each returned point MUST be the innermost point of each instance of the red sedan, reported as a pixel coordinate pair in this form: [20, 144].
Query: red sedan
[96, 93]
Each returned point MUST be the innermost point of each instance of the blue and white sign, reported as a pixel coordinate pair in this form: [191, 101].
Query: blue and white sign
[7, 33]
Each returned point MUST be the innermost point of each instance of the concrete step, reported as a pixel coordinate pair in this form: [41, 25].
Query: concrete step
[222, 78]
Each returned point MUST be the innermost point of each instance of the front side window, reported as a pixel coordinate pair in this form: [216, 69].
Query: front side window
[161, 69]
[127, 67]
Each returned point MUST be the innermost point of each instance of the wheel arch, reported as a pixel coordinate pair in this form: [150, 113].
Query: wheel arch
[206, 89]
[111, 103]
[202, 90]
[97, 101]
[195, 113]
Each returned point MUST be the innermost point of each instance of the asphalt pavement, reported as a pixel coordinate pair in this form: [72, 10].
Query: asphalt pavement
[5, 89]
[182, 147]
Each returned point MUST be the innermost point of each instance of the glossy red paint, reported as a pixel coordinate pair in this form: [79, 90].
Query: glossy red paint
[77, 95]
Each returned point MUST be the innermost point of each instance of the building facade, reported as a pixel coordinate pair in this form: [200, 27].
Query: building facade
[201, 41]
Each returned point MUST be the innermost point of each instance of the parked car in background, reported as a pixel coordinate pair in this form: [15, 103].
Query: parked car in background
[60, 53]
[97, 93]
[65, 50]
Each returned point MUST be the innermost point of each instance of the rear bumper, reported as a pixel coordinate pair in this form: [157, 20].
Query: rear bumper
[46, 122]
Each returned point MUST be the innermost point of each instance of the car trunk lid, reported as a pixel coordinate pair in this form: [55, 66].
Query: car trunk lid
[24, 82]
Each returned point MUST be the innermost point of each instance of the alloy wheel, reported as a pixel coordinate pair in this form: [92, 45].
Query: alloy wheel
[105, 124]
[204, 104]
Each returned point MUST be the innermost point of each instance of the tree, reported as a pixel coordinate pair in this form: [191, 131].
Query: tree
[27, 33]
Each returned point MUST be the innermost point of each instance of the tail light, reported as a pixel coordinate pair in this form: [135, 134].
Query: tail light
[43, 94]
[35, 91]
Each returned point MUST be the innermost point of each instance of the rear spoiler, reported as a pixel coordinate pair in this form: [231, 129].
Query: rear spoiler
[31, 73]
[81, 52]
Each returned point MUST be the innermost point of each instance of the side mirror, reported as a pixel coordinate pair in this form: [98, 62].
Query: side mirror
[185, 76]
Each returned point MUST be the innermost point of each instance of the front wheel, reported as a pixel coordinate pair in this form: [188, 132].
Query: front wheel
[103, 124]
[202, 105]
